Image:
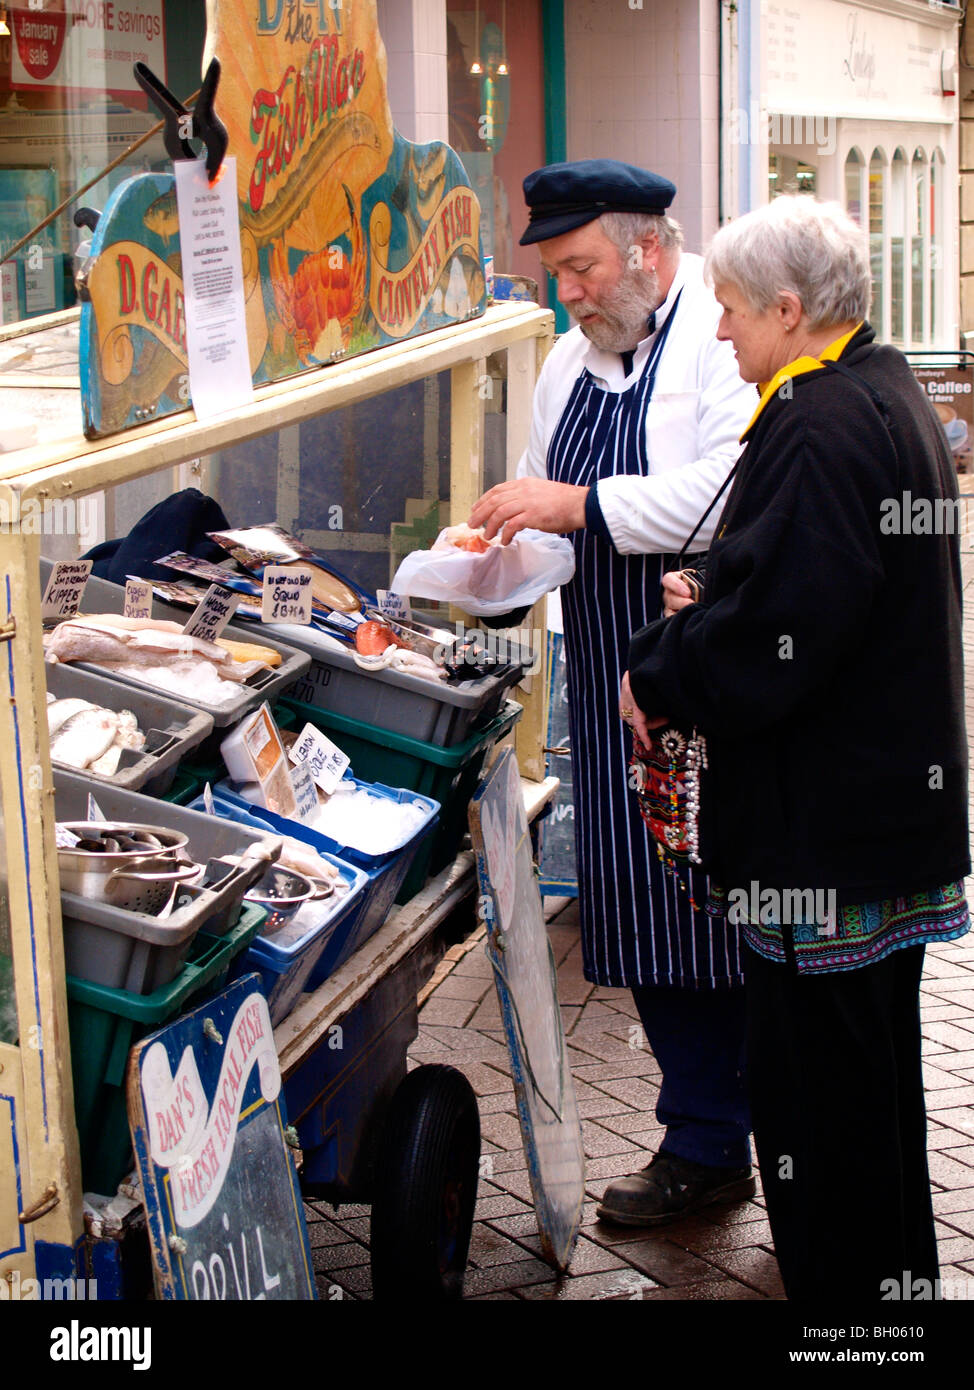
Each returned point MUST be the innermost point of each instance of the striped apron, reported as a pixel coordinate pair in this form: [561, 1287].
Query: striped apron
[638, 927]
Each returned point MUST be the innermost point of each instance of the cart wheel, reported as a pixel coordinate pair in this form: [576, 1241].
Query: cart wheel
[426, 1187]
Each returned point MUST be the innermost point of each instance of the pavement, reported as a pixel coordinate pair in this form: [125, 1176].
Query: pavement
[720, 1253]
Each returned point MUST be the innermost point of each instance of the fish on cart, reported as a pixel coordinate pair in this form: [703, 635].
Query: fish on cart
[159, 653]
[378, 647]
[84, 735]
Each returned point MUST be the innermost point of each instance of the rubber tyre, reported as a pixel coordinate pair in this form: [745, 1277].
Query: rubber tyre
[426, 1188]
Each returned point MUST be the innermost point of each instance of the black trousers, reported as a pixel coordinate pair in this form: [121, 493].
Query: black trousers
[839, 1124]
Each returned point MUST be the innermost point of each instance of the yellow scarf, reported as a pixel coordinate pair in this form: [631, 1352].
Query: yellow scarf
[799, 367]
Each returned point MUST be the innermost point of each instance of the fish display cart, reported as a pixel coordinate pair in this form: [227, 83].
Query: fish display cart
[340, 1100]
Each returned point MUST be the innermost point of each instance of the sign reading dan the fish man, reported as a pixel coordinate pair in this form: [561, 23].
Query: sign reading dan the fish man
[221, 1195]
[351, 237]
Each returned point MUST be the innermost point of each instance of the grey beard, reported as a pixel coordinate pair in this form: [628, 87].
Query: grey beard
[625, 311]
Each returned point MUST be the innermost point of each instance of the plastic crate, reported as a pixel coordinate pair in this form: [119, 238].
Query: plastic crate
[105, 1024]
[172, 729]
[100, 596]
[383, 880]
[448, 775]
[435, 711]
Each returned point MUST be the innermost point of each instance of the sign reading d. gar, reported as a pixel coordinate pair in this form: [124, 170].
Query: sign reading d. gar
[219, 1186]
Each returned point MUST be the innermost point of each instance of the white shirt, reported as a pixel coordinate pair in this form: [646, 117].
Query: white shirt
[700, 408]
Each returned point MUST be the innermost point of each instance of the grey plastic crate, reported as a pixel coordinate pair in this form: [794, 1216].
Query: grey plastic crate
[132, 950]
[431, 711]
[102, 597]
[171, 730]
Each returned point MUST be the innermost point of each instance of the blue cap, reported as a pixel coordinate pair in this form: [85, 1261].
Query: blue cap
[561, 197]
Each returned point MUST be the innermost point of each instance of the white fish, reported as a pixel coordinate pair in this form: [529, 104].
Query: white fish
[60, 711]
[84, 737]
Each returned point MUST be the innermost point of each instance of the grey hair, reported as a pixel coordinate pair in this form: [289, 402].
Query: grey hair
[626, 229]
[814, 250]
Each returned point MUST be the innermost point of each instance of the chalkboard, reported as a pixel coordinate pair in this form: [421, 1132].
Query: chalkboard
[219, 1186]
[524, 973]
[557, 831]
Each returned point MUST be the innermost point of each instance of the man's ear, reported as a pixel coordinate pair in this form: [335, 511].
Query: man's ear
[644, 253]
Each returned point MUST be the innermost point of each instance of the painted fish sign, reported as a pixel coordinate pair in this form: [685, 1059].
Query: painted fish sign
[219, 1186]
[524, 973]
[351, 236]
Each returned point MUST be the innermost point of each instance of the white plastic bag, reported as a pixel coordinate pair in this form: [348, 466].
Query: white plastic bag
[504, 577]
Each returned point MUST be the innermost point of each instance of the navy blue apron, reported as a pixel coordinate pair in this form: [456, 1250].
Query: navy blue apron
[638, 927]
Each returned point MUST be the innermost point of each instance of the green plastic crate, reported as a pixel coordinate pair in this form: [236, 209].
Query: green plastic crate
[449, 775]
[105, 1024]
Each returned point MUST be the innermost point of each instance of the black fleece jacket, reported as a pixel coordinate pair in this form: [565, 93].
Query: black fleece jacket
[824, 663]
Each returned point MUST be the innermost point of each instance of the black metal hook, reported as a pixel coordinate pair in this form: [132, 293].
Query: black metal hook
[181, 125]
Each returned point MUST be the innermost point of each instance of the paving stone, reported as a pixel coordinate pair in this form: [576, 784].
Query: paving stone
[487, 1013]
[452, 1012]
[704, 1239]
[596, 1105]
[334, 1257]
[322, 1232]
[630, 1122]
[588, 1257]
[474, 963]
[599, 1143]
[945, 1171]
[936, 1077]
[754, 1266]
[503, 1103]
[963, 1153]
[951, 1035]
[472, 987]
[490, 1247]
[357, 1281]
[613, 1285]
[961, 1222]
[664, 1262]
[633, 1090]
[956, 1061]
[486, 1080]
[358, 1227]
[637, 1066]
[707, 1291]
[960, 1118]
[501, 1205]
[516, 1275]
[516, 1181]
[952, 1247]
[502, 1129]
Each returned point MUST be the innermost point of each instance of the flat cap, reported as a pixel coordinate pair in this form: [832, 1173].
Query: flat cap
[561, 197]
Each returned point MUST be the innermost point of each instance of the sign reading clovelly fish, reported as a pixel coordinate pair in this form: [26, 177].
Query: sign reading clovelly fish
[350, 236]
[219, 1186]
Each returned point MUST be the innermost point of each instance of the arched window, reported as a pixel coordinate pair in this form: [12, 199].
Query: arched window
[937, 181]
[919, 325]
[855, 168]
[877, 241]
[898, 203]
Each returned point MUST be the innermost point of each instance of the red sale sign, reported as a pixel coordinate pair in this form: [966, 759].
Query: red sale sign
[86, 44]
[39, 38]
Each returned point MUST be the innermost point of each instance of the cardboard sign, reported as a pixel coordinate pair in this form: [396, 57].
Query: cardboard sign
[325, 760]
[138, 599]
[950, 390]
[305, 791]
[287, 594]
[524, 973]
[221, 1196]
[395, 606]
[212, 614]
[65, 586]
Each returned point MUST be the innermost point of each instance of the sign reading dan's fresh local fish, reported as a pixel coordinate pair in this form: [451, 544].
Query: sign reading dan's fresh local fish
[351, 237]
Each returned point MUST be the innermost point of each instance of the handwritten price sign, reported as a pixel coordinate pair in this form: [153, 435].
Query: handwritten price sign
[324, 760]
[286, 596]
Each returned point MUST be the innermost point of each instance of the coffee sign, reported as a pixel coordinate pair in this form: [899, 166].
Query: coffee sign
[950, 390]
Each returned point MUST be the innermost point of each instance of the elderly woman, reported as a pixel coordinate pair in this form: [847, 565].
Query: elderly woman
[822, 667]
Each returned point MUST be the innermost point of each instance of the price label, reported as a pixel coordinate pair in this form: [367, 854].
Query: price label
[138, 598]
[212, 613]
[64, 589]
[286, 594]
[395, 606]
[325, 760]
[305, 791]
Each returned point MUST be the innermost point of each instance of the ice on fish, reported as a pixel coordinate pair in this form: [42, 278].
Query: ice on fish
[373, 824]
[84, 735]
[197, 681]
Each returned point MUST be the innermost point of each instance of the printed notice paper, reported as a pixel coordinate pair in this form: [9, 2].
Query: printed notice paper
[216, 328]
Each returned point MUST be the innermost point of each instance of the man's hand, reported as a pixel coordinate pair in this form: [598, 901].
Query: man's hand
[534, 503]
[631, 714]
[676, 593]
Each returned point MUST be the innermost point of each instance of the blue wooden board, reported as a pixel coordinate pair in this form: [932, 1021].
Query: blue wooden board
[556, 833]
[220, 1190]
[524, 973]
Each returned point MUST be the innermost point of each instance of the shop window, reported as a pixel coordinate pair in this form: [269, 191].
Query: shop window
[877, 241]
[68, 110]
[919, 327]
[495, 69]
[786, 174]
[854, 177]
